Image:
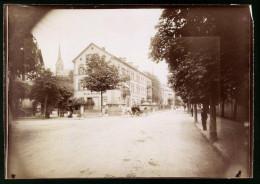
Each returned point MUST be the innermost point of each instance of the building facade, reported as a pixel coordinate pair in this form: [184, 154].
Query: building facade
[137, 85]
[166, 94]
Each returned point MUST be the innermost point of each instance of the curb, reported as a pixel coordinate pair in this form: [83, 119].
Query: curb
[216, 148]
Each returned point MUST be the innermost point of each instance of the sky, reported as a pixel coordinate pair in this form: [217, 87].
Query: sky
[123, 33]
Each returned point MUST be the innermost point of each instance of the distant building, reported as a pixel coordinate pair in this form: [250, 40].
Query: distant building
[60, 71]
[166, 94]
[137, 85]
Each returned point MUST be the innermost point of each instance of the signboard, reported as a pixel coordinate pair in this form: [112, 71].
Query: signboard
[91, 93]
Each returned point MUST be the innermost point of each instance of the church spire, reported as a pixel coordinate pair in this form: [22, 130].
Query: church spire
[59, 64]
[59, 54]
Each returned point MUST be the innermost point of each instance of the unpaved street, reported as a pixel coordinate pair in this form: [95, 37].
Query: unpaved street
[163, 144]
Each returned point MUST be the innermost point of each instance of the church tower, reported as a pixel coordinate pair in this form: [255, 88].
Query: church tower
[59, 65]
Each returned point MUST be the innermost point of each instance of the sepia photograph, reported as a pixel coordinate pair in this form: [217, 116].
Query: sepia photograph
[128, 91]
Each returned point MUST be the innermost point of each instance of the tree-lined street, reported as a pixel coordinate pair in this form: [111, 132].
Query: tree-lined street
[163, 144]
[196, 123]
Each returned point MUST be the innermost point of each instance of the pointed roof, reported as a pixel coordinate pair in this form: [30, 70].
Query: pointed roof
[59, 55]
[112, 56]
[59, 61]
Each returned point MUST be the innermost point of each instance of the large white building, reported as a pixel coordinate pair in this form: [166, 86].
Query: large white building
[138, 85]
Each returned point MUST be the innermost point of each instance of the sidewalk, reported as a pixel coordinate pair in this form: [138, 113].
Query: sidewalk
[232, 144]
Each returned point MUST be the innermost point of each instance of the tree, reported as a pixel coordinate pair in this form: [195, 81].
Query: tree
[65, 91]
[24, 56]
[193, 62]
[45, 91]
[224, 22]
[156, 88]
[71, 76]
[50, 91]
[170, 100]
[101, 75]
[20, 90]
[24, 62]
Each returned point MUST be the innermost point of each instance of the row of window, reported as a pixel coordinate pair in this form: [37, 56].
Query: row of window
[138, 90]
[133, 75]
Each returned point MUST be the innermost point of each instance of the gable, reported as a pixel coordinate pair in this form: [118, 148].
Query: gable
[92, 49]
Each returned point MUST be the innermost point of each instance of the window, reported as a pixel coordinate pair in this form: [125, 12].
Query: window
[81, 70]
[80, 86]
[104, 100]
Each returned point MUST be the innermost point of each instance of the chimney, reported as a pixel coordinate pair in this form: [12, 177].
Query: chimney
[103, 48]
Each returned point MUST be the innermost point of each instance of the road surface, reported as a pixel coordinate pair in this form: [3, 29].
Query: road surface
[163, 144]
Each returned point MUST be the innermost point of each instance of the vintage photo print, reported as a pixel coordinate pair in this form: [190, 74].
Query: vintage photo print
[128, 91]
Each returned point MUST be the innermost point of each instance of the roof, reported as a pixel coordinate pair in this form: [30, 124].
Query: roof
[166, 88]
[114, 57]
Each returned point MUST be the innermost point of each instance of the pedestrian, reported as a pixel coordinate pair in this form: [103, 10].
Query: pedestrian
[204, 118]
[191, 110]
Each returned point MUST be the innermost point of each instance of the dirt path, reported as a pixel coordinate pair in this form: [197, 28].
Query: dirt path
[164, 144]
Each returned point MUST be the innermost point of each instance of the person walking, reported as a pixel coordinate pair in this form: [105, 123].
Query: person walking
[204, 118]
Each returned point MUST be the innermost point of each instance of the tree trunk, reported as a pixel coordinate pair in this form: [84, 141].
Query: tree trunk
[204, 121]
[45, 107]
[235, 110]
[195, 113]
[192, 110]
[223, 108]
[213, 125]
[188, 106]
[42, 107]
[101, 101]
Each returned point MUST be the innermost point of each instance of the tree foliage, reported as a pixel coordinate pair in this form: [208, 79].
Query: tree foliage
[51, 91]
[194, 67]
[101, 75]
[231, 25]
[65, 91]
[24, 55]
[200, 68]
